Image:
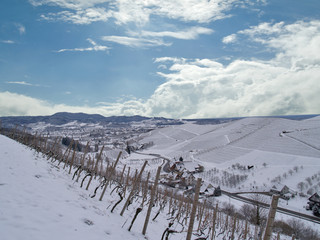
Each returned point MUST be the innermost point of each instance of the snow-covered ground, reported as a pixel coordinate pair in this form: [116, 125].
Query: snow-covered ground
[281, 151]
[40, 201]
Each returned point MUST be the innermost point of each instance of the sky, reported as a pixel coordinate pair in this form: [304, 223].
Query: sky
[164, 58]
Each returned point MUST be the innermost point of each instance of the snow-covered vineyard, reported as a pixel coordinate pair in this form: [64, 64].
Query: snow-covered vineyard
[51, 191]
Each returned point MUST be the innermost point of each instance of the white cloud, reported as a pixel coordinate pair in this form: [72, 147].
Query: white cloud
[286, 84]
[295, 44]
[191, 33]
[148, 38]
[139, 11]
[71, 4]
[95, 47]
[85, 16]
[135, 42]
[20, 83]
[264, 29]
[229, 39]
[169, 59]
[13, 104]
[194, 88]
[8, 41]
[21, 28]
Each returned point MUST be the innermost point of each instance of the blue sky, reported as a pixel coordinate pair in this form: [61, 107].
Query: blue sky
[169, 58]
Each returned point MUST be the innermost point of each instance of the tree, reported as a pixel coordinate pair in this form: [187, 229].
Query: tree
[228, 209]
[246, 211]
[308, 179]
[301, 186]
[75, 144]
[259, 213]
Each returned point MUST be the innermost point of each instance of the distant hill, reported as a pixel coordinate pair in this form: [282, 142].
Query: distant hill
[65, 117]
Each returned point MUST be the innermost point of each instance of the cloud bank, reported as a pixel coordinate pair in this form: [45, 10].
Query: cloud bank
[200, 88]
[137, 11]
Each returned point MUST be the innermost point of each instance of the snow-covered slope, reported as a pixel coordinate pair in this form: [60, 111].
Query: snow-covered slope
[206, 142]
[40, 201]
[282, 151]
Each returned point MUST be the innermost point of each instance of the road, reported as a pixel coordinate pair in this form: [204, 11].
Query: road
[166, 162]
[279, 209]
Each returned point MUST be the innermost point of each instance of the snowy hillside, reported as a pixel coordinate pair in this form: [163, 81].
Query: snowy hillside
[40, 200]
[281, 151]
[266, 134]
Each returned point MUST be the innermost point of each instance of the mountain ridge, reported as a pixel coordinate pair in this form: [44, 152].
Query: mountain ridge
[61, 118]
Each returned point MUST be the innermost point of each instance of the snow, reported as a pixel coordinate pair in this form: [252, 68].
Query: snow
[40, 201]
[282, 151]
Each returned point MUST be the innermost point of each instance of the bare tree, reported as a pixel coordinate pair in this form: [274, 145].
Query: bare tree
[259, 213]
[301, 186]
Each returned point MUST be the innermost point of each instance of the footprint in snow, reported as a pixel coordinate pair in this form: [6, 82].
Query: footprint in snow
[88, 222]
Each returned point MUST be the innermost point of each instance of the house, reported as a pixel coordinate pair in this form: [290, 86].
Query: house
[199, 168]
[315, 198]
[314, 204]
[217, 191]
[285, 192]
[209, 190]
[177, 167]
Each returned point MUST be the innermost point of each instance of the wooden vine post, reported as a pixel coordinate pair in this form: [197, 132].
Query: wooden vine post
[97, 162]
[214, 221]
[200, 214]
[95, 168]
[135, 185]
[145, 189]
[154, 188]
[121, 177]
[34, 140]
[82, 160]
[271, 216]
[72, 159]
[194, 208]
[112, 170]
[45, 142]
[233, 227]
[245, 230]
[50, 152]
[67, 157]
[65, 153]
[127, 182]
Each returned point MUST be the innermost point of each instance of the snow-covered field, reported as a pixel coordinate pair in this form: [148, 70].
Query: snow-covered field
[282, 152]
[274, 146]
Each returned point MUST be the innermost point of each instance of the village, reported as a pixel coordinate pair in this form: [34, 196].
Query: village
[178, 177]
